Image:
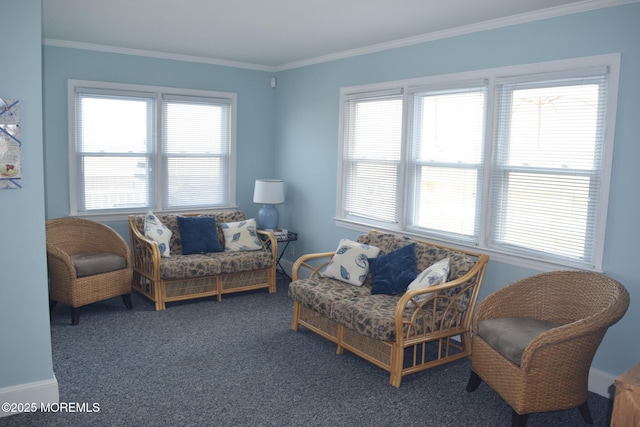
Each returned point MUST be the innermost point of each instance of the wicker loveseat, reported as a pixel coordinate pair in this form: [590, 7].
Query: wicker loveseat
[181, 277]
[403, 333]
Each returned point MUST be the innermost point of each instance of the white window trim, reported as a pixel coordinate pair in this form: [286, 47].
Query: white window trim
[159, 92]
[612, 61]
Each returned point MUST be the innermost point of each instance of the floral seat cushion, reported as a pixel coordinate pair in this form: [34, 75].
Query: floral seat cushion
[320, 293]
[374, 316]
[188, 266]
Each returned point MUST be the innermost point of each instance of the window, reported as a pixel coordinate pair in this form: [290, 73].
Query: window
[548, 165]
[372, 156]
[517, 166]
[446, 161]
[134, 148]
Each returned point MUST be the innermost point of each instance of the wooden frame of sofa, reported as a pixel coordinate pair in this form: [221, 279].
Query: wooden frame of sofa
[146, 279]
[390, 355]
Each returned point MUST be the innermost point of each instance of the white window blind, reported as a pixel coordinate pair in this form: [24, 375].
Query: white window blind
[515, 161]
[372, 149]
[196, 152]
[135, 148]
[446, 161]
[113, 150]
[548, 169]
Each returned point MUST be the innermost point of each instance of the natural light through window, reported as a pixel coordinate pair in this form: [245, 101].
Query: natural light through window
[135, 148]
[550, 168]
[447, 150]
[515, 161]
[112, 136]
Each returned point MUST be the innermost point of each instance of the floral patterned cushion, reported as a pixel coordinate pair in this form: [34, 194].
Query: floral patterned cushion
[373, 315]
[171, 222]
[236, 262]
[320, 293]
[179, 266]
[426, 255]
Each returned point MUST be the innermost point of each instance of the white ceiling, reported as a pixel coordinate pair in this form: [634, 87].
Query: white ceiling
[278, 34]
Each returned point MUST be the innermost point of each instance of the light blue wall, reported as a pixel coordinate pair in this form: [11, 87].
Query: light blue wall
[256, 115]
[25, 340]
[292, 133]
[307, 136]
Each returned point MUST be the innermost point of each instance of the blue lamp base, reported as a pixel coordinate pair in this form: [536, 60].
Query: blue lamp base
[268, 217]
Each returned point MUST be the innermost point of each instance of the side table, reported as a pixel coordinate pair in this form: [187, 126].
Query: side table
[287, 238]
[626, 402]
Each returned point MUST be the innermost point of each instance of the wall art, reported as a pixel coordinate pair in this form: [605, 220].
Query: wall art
[10, 145]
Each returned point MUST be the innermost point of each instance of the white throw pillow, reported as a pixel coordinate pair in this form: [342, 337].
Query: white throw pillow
[241, 236]
[158, 232]
[350, 263]
[434, 275]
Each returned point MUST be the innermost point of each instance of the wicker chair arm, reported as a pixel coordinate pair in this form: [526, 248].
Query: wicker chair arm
[474, 276]
[303, 261]
[271, 243]
[558, 344]
[59, 261]
[145, 252]
[590, 330]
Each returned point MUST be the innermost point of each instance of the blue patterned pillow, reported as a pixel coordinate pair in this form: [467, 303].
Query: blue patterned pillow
[241, 236]
[158, 232]
[198, 235]
[351, 262]
[392, 273]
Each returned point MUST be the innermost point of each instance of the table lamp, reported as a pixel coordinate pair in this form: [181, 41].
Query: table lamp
[269, 192]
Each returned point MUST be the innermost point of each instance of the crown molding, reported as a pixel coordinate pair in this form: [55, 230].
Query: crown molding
[155, 54]
[553, 12]
[578, 7]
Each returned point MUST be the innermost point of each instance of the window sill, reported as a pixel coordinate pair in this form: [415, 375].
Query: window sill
[123, 216]
[494, 255]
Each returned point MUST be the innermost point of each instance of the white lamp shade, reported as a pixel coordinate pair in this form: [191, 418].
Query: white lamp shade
[269, 191]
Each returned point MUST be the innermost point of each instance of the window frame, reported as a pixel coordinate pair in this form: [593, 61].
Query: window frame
[159, 94]
[491, 76]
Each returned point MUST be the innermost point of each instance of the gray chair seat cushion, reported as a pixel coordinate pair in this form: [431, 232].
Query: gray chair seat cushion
[511, 335]
[96, 263]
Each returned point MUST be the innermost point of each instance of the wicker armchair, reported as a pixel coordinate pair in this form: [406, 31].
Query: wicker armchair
[87, 262]
[554, 366]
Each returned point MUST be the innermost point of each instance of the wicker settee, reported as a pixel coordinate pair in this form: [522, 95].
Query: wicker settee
[182, 277]
[403, 333]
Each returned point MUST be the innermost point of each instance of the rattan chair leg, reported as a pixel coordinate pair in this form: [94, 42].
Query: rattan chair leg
[474, 382]
[296, 316]
[586, 413]
[518, 420]
[126, 298]
[75, 315]
[340, 336]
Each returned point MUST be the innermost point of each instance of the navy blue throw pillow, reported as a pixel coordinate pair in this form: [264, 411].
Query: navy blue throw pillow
[198, 235]
[393, 272]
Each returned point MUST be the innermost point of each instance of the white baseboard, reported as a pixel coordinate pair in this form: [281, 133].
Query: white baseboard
[600, 382]
[38, 392]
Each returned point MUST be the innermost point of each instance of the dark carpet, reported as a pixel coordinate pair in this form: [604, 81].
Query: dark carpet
[238, 363]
